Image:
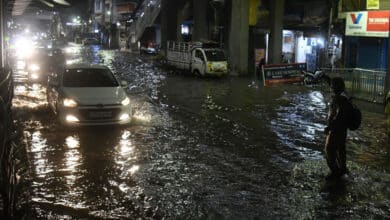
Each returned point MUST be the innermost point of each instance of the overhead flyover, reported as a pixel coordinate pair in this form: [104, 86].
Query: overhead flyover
[20, 7]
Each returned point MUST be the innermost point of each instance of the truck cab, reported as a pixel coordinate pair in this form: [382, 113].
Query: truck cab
[197, 58]
[209, 61]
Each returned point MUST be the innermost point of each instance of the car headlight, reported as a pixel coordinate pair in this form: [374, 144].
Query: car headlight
[70, 103]
[71, 118]
[126, 101]
[34, 67]
[124, 117]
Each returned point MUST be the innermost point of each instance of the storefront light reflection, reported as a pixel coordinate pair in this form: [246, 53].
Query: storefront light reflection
[39, 150]
[72, 159]
[125, 144]
[125, 156]
[72, 142]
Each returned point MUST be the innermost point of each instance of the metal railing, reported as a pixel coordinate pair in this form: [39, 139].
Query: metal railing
[362, 84]
[7, 165]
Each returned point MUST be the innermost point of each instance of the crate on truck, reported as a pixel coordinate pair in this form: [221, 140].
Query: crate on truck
[197, 57]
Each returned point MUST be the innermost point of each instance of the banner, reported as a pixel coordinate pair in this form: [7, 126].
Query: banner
[372, 4]
[283, 73]
[259, 55]
[367, 24]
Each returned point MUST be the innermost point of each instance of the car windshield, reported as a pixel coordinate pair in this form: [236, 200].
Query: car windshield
[215, 55]
[89, 78]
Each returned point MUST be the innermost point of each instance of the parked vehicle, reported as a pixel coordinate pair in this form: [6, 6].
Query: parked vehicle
[88, 94]
[149, 47]
[43, 62]
[38, 66]
[315, 77]
[90, 41]
[198, 58]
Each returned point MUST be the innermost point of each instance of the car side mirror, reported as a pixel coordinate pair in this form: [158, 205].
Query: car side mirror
[124, 83]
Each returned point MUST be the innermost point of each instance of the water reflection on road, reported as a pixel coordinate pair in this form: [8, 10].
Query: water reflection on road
[200, 148]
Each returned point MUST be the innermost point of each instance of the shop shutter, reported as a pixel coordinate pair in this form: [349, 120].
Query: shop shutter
[384, 4]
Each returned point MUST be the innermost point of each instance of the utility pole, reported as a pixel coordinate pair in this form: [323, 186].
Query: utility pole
[2, 29]
[328, 40]
[109, 13]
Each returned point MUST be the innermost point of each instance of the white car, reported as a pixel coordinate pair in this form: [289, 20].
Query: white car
[88, 94]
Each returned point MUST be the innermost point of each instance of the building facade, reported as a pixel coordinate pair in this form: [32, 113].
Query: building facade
[111, 19]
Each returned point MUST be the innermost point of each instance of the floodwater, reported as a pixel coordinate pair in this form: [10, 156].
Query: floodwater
[216, 148]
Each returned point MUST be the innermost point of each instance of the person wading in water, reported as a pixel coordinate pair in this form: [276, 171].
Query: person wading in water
[336, 131]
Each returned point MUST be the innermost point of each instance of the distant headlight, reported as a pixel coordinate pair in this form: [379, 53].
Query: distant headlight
[70, 103]
[126, 101]
[24, 47]
[34, 67]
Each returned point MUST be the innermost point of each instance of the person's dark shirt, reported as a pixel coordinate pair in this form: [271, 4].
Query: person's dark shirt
[337, 115]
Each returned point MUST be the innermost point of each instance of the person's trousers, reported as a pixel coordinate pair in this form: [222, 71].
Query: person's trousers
[335, 152]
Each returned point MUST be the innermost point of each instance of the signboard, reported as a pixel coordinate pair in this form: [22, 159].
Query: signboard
[125, 8]
[372, 4]
[283, 73]
[259, 55]
[367, 24]
[253, 10]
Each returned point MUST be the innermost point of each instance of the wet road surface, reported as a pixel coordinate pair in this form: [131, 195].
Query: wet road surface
[199, 148]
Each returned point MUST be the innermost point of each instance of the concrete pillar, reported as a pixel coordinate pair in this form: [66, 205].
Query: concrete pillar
[276, 35]
[169, 12]
[185, 12]
[238, 37]
[2, 33]
[200, 25]
[179, 21]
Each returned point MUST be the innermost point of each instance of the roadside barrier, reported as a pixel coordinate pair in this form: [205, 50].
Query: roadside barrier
[362, 84]
[7, 166]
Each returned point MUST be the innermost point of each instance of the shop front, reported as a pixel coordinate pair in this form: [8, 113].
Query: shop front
[299, 47]
[367, 39]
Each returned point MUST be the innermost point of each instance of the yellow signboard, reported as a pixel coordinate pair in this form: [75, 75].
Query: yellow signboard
[372, 4]
[253, 8]
[259, 55]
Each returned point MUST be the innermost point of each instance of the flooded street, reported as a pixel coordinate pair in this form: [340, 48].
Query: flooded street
[216, 148]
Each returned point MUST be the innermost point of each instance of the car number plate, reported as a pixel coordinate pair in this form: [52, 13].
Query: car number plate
[100, 114]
